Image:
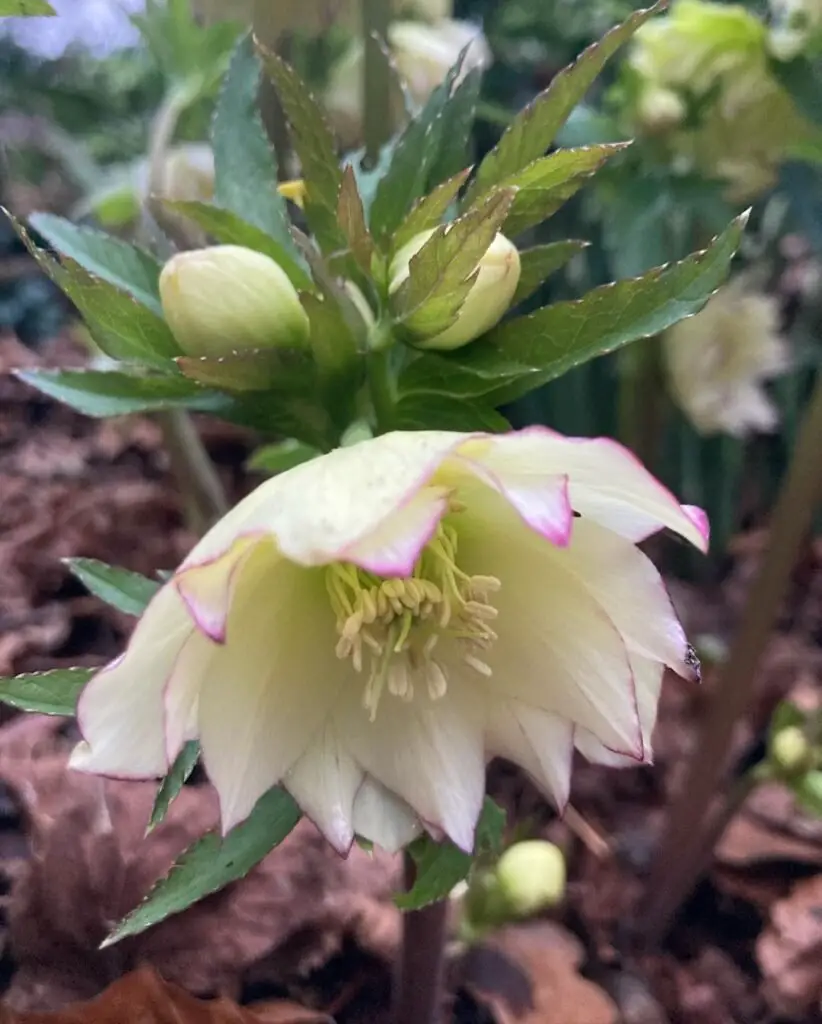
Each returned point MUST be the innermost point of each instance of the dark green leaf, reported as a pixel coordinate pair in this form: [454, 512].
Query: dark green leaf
[212, 862]
[48, 693]
[125, 266]
[127, 591]
[173, 782]
[802, 79]
[230, 229]
[457, 125]
[441, 866]
[430, 210]
[278, 457]
[103, 393]
[540, 262]
[421, 411]
[543, 186]
[533, 130]
[335, 345]
[443, 272]
[253, 370]
[528, 351]
[315, 146]
[25, 8]
[245, 168]
[352, 220]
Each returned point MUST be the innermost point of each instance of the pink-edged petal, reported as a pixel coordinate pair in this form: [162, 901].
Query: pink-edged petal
[430, 753]
[182, 692]
[321, 509]
[648, 676]
[609, 484]
[512, 465]
[627, 585]
[268, 690]
[540, 743]
[558, 649]
[383, 818]
[207, 587]
[120, 712]
[324, 782]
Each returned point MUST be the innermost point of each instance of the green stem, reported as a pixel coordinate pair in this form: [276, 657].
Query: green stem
[376, 18]
[680, 859]
[418, 994]
[381, 387]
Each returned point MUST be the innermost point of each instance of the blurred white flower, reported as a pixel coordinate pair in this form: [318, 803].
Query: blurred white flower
[370, 628]
[796, 23]
[718, 360]
[98, 26]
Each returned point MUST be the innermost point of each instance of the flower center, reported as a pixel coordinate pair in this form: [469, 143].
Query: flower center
[391, 627]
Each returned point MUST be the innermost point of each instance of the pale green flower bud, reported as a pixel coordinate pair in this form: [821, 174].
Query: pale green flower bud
[531, 877]
[227, 298]
[791, 752]
[660, 109]
[486, 303]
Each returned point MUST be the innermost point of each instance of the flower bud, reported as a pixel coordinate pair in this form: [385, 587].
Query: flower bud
[531, 877]
[791, 752]
[227, 298]
[660, 110]
[488, 299]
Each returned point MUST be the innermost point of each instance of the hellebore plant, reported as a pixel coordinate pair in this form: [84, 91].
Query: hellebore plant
[418, 589]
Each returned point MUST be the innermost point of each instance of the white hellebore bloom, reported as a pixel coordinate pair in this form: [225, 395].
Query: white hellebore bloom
[718, 360]
[370, 628]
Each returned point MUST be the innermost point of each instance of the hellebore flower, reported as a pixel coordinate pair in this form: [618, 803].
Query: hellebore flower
[487, 301]
[370, 628]
[718, 360]
[227, 298]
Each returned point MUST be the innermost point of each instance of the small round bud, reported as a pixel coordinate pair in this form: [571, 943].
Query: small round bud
[790, 751]
[531, 877]
[488, 299]
[660, 109]
[226, 298]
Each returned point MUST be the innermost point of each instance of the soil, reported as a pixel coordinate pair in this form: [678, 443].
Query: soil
[307, 937]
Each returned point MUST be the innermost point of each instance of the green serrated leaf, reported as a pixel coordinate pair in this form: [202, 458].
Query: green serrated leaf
[127, 591]
[352, 220]
[245, 167]
[253, 370]
[26, 8]
[111, 259]
[457, 126]
[228, 228]
[540, 262]
[102, 393]
[430, 210]
[543, 186]
[335, 346]
[528, 351]
[49, 693]
[278, 457]
[421, 411]
[533, 130]
[213, 862]
[442, 273]
[441, 866]
[124, 329]
[173, 782]
[314, 144]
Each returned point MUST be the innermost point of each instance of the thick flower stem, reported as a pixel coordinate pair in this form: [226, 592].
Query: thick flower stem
[418, 994]
[204, 499]
[376, 17]
[681, 855]
[381, 389]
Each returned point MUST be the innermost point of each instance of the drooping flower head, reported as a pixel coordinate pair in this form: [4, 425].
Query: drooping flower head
[718, 360]
[370, 628]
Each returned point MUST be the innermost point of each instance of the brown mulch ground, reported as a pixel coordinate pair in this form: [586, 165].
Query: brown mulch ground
[308, 937]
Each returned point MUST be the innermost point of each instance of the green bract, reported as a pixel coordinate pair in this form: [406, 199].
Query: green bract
[230, 299]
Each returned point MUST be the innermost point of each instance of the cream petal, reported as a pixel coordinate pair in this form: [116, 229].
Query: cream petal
[383, 818]
[120, 712]
[629, 589]
[557, 649]
[269, 688]
[429, 753]
[648, 676]
[540, 743]
[324, 508]
[324, 782]
[608, 483]
[182, 692]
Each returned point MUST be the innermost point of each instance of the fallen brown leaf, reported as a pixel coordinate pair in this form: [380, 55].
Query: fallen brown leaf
[529, 974]
[142, 997]
[789, 951]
